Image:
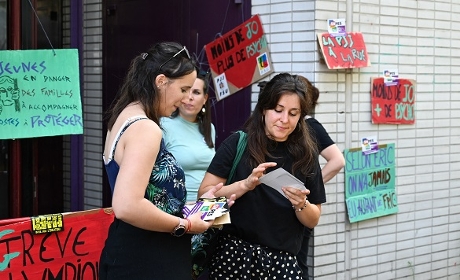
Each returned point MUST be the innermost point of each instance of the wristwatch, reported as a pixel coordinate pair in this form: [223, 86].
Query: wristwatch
[180, 229]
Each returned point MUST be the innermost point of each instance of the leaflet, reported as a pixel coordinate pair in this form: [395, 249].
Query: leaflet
[211, 208]
[281, 178]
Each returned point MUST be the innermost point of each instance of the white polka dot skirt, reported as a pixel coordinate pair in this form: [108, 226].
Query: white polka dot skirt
[237, 259]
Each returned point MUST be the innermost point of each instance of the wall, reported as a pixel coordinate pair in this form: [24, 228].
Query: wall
[420, 39]
[92, 104]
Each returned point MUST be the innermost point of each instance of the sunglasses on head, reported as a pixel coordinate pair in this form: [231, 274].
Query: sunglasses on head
[176, 54]
[203, 73]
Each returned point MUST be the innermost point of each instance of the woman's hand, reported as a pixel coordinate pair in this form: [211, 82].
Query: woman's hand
[253, 180]
[296, 197]
[212, 194]
[196, 224]
[308, 214]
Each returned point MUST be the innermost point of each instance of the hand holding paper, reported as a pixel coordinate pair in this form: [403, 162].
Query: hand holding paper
[281, 178]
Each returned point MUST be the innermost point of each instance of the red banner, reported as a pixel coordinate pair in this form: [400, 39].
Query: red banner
[239, 58]
[68, 247]
[393, 104]
[347, 51]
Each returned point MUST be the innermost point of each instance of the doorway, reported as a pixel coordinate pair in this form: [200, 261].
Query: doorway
[31, 173]
[132, 26]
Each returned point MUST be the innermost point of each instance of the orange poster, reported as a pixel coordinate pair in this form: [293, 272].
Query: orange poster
[239, 58]
[347, 51]
[393, 103]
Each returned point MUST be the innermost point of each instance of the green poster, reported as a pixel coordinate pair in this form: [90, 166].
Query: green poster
[39, 93]
[370, 183]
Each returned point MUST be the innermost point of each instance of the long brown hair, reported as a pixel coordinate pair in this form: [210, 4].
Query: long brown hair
[300, 143]
[312, 91]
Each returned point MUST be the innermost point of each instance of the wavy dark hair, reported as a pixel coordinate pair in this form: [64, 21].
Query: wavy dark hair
[204, 119]
[139, 83]
[312, 91]
[300, 143]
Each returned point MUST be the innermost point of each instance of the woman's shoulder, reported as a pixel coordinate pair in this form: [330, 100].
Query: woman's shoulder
[145, 127]
[231, 141]
[312, 121]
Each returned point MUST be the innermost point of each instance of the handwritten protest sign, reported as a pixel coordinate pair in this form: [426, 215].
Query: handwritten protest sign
[370, 183]
[39, 93]
[71, 253]
[347, 51]
[393, 103]
[239, 58]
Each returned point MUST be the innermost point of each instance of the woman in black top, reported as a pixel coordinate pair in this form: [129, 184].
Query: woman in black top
[267, 228]
[334, 163]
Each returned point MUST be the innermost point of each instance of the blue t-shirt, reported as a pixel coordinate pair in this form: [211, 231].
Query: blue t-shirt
[184, 140]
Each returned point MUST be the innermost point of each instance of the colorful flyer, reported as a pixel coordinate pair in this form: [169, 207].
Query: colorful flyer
[211, 208]
[369, 145]
[264, 65]
[390, 77]
[336, 27]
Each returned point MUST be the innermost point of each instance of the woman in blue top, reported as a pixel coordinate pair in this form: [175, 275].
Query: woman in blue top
[147, 238]
[192, 122]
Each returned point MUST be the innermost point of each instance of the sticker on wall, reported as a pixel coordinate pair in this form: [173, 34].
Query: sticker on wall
[390, 77]
[221, 86]
[393, 104]
[370, 183]
[336, 27]
[262, 62]
[369, 145]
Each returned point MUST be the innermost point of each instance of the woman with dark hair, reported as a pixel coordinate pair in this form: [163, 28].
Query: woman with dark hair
[192, 122]
[266, 227]
[147, 236]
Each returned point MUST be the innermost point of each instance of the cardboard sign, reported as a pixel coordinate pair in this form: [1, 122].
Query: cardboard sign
[347, 51]
[40, 93]
[68, 246]
[239, 58]
[370, 183]
[393, 103]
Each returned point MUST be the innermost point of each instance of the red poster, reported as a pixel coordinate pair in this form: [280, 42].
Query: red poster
[344, 51]
[239, 58]
[57, 246]
[393, 104]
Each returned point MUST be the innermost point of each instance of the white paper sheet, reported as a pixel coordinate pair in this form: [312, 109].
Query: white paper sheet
[281, 178]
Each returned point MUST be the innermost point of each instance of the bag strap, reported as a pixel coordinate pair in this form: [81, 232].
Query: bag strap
[239, 152]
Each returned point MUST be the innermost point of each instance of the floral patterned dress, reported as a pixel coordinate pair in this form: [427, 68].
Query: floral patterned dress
[134, 253]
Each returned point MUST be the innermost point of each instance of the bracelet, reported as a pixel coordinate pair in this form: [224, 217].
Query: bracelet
[189, 227]
[300, 209]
